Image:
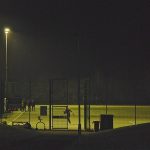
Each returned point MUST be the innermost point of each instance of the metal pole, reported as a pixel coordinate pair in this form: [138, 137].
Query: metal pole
[106, 96]
[67, 92]
[29, 114]
[1, 102]
[67, 97]
[89, 102]
[52, 98]
[50, 102]
[29, 101]
[85, 107]
[6, 76]
[135, 114]
[79, 112]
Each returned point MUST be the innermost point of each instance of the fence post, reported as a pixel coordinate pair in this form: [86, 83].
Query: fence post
[106, 108]
[50, 102]
[135, 114]
[29, 101]
[1, 100]
[79, 113]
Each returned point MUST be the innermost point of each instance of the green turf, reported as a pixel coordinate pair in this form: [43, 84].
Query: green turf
[123, 116]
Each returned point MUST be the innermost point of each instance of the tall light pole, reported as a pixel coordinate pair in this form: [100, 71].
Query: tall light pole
[6, 30]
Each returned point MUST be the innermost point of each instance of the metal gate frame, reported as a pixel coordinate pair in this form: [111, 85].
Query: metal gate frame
[51, 106]
[86, 103]
[59, 118]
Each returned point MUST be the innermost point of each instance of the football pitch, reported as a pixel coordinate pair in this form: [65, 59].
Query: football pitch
[123, 116]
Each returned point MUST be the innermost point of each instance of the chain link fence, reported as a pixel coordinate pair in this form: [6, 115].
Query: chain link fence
[123, 114]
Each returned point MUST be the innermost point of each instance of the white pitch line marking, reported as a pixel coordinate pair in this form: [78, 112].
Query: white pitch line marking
[16, 118]
[132, 122]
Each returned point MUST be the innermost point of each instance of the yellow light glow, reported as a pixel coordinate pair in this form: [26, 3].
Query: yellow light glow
[7, 30]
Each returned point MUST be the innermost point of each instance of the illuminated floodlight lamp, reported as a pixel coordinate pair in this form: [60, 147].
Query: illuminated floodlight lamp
[7, 30]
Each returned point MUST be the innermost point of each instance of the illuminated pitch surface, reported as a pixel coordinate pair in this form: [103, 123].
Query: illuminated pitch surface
[123, 116]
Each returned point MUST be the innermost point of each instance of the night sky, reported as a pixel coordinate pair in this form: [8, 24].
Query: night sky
[113, 38]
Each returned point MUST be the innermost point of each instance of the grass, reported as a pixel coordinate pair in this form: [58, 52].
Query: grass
[123, 116]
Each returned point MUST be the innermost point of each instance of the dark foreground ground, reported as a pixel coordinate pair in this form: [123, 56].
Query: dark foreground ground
[128, 138]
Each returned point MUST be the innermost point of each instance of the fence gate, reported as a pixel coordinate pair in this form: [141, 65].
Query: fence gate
[58, 104]
[59, 117]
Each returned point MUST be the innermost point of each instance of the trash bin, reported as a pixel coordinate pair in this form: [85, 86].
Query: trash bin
[106, 122]
[96, 125]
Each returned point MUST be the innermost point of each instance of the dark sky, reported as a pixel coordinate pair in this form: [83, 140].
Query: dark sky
[113, 37]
